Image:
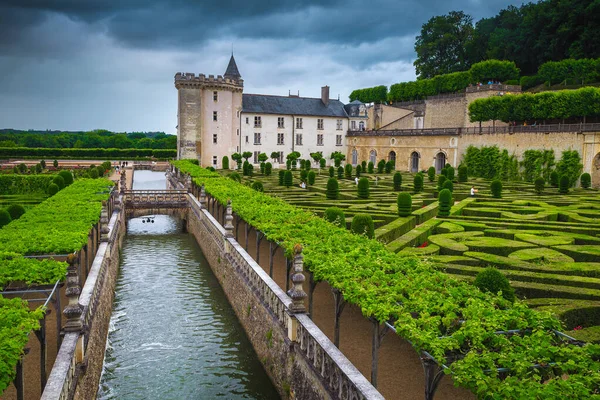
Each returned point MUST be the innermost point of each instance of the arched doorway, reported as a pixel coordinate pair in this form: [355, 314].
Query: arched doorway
[414, 162]
[373, 157]
[440, 162]
[354, 157]
[392, 157]
[596, 172]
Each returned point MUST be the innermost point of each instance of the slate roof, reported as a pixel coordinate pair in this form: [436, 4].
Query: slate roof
[286, 105]
[232, 71]
[353, 108]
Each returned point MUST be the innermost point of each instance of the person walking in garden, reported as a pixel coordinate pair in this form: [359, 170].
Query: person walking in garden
[473, 191]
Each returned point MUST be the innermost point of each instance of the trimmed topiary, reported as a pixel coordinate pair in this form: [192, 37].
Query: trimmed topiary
[418, 183]
[302, 164]
[43, 164]
[281, 176]
[348, 171]
[101, 171]
[4, 217]
[340, 172]
[449, 185]
[539, 183]
[331, 171]
[225, 162]
[554, 179]
[322, 163]
[362, 224]
[463, 173]
[440, 182]
[445, 200]
[249, 170]
[397, 181]
[431, 174]
[294, 165]
[333, 189]
[67, 177]
[563, 184]
[363, 188]
[59, 181]
[93, 173]
[15, 211]
[311, 178]
[404, 204]
[307, 166]
[370, 167]
[450, 173]
[245, 168]
[336, 216]
[55, 163]
[586, 180]
[53, 188]
[268, 169]
[235, 176]
[388, 167]
[358, 170]
[380, 166]
[262, 167]
[288, 179]
[303, 175]
[492, 280]
[364, 165]
[496, 188]
[258, 186]
[444, 171]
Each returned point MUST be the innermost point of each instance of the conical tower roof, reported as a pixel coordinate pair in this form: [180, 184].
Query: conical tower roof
[232, 70]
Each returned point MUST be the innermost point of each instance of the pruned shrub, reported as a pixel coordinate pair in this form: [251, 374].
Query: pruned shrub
[397, 181]
[431, 174]
[418, 183]
[563, 184]
[404, 204]
[67, 177]
[363, 188]
[586, 180]
[59, 181]
[53, 189]
[322, 163]
[496, 188]
[443, 171]
[340, 172]
[303, 175]
[370, 167]
[362, 224]
[235, 176]
[450, 173]
[225, 162]
[449, 185]
[463, 173]
[268, 169]
[281, 176]
[440, 182]
[493, 281]
[554, 179]
[4, 217]
[445, 200]
[364, 165]
[101, 171]
[294, 164]
[263, 166]
[55, 163]
[93, 173]
[288, 179]
[539, 183]
[258, 186]
[311, 178]
[358, 170]
[307, 166]
[380, 166]
[333, 189]
[302, 164]
[331, 171]
[212, 169]
[336, 216]
[388, 167]
[348, 171]
[15, 211]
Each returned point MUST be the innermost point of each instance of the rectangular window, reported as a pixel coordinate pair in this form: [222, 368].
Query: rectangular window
[238, 132]
[247, 141]
[320, 139]
[280, 122]
[215, 138]
[280, 159]
[214, 115]
[338, 140]
[339, 125]
[256, 153]
[353, 125]
[215, 96]
[257, 122]
[256, 137]
[298, 123]
[280, 138]
[320, 123]
[298, 139]
[214, 161]
[247, 119]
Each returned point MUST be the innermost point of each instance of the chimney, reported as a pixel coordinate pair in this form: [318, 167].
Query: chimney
[325, 95]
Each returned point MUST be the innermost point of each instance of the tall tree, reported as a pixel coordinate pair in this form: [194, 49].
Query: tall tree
[443, 45]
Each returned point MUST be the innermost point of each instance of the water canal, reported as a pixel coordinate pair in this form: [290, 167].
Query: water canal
[173, 335]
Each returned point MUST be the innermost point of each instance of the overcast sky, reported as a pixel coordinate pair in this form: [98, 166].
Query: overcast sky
[88, 64]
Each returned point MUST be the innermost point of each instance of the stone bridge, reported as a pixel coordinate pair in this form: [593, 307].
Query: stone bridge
[144, 202]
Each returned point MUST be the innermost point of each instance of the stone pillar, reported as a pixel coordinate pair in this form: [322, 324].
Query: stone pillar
[123, 183]
[202, 197]
[188, 182]
[297, 292]
[73, 310]
[104, 223]
[228, 219]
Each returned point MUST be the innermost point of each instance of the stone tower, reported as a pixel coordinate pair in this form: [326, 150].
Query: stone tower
[208, 115]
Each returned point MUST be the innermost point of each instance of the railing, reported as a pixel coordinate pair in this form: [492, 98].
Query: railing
[406, 132]
[155, 198]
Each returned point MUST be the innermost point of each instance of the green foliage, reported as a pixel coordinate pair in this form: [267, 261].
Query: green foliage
[445, 202]
[24, 184]
[288, 179]
[336, 216]
[380, 166]
[404, 204]
[431, 174]
[564, 184]
[274, 155]
[333, 189]
[322, 163]
[527, 82]
[570, 165]
[235, 176]
[450, 173]
[570, 71]
[494, 70]
[53, 189]
[537, 163]
[268, 169]
[311, 178]
[554, 178]
[440, 182]
[43, 164]
[331, 171]
[225, 162]
[262, 157]
[363, 188]
[246, 155]
[348, 171]
[377, 94]
[492, 280]
[100, 170]
[389, 166]
[67, 177]
[363, 164]
[59, 181]
[340, 172]
[258, 186]
[463, 172]
[418, 183]
[5, 217]
[30, 271]
[55, 163]
[302, 164]
[358, 170]
[586, 180]
[303, 175]
[362, 224]
[110, 153]
[496, 188]
[540, 183]
[397, 181]
[371, 167]
[448, 184]
[237, 157]
[15, 211]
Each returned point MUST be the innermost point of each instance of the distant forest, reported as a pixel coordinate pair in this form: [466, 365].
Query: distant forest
[530, 35]
[99, 138]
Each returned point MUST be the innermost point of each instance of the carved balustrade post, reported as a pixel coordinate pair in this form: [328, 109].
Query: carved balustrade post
[296, 292]
[73, 310]
[202, 197]
[104, 223]
[228, 221]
